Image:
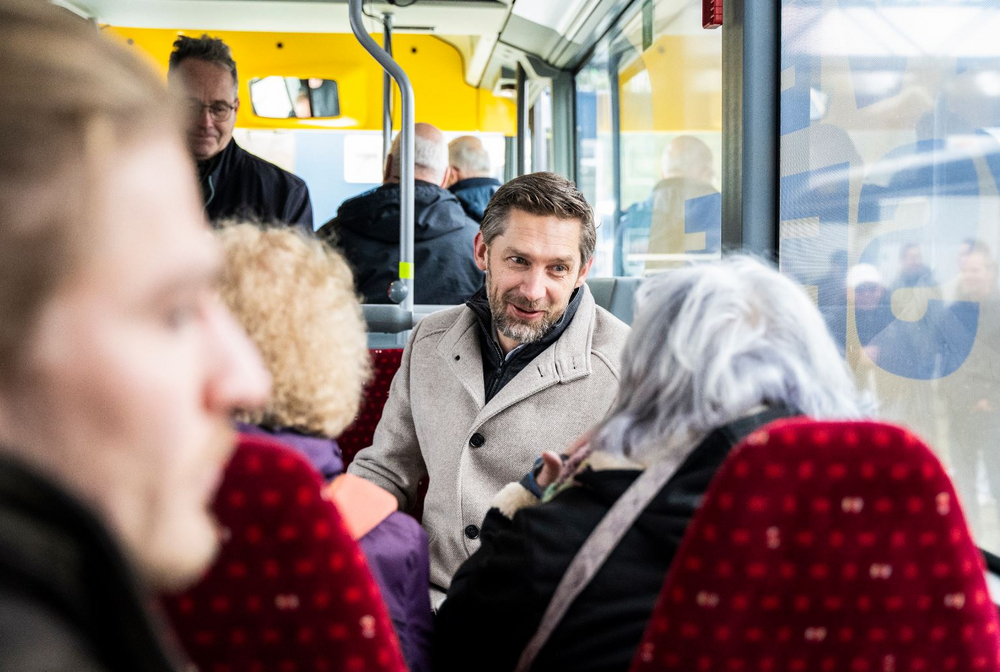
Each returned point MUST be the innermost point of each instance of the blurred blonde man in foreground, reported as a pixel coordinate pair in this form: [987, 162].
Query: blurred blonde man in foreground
[119, 368]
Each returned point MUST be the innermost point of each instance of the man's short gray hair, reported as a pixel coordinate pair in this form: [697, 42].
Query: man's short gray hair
[712, 342]
[544, 194]
[204, 48]
[429, 155]
[468, 155]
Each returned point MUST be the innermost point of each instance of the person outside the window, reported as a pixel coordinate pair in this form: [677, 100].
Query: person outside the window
[234, 182]
[366, 230]
[527, 365]
[471, 179]
[119, 367]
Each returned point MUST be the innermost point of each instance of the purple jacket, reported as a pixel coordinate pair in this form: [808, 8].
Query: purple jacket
[323, 454]
[396, 550]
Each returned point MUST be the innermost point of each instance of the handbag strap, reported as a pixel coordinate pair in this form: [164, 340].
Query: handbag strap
[598, 547]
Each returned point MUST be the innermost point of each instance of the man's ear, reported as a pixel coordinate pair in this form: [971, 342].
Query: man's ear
[580, 279]
[449, 178]
[482, 252]
[236, 104]
[387, 169]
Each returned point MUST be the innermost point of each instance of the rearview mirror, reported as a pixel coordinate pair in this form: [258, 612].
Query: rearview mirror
[294, 98]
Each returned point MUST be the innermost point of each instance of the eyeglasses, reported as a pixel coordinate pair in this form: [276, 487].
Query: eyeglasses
[219, 111]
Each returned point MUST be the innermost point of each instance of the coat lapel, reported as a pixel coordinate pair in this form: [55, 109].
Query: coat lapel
[565, 360]
[460, 348]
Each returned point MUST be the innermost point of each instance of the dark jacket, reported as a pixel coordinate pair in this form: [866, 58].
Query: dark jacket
[474, 194]
[68, 600]
[498, 369]
[366, 229]
[235, 183]
[499, 595]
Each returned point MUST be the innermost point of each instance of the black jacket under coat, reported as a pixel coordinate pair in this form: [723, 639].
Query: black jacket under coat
[238, 185]
[366, 230]
[499, 595]
[68, 600]
[474, 194]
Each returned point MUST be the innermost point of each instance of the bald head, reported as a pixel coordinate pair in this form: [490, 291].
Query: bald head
[468, 158]
[688, 157]
[430, 156]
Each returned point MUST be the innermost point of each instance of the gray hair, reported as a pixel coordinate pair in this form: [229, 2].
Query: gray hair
[543, 194]
[429, 155]
[467, 154]
[203, 48]
[712, 342]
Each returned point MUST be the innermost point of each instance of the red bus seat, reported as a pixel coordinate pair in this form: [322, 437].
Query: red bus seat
[359, 435]
[826, 546]
[290, 590]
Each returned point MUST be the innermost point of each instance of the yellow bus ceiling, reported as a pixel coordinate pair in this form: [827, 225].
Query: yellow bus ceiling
[435, 68]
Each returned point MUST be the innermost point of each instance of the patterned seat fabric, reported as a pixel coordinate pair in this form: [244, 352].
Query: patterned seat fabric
[290, 590]
[359, 435]
[826, 547]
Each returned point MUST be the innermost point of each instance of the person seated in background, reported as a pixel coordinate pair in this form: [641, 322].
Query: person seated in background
[716, 351]
[366, 230]
[526, 365]
[471, 175]
[234, 182]
[119, 369]
[295, 297]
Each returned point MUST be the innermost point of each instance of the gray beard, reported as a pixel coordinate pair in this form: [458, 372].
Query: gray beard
[511, 327]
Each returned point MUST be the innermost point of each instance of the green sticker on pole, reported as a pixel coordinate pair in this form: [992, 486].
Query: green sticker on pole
[405, 270]
[647, 24]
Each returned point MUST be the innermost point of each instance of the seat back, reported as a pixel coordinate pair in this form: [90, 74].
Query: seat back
[826, 546]
[616, 295]
[359, 435]
[290, 589]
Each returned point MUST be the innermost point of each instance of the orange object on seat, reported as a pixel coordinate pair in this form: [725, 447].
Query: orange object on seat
[290, 589]
[826, 546]
[362, 505]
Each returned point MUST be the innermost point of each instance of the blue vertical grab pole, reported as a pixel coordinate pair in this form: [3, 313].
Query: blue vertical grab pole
[401, 291]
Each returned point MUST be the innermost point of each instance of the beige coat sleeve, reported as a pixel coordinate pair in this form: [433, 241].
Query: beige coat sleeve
[393, 461]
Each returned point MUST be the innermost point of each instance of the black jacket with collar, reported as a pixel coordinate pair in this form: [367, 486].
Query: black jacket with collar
[498, 596]
[237, 184]
[498, 369]
[474, 194]
[366, 230]
[68, 600]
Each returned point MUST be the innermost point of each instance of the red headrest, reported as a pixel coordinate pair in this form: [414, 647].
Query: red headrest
[826, 546]
[290, 590]
[359, 435]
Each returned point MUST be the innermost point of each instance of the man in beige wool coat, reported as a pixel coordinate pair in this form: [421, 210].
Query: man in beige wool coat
[527, 365]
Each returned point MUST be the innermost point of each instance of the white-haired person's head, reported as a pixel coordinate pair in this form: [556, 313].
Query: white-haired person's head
[430, 156]
[468, 158]
[710, 344]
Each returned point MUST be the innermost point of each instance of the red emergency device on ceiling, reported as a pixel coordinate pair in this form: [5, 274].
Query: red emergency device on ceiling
[711, 13]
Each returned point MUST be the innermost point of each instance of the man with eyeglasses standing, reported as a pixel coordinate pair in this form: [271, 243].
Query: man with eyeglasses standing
[234, 182]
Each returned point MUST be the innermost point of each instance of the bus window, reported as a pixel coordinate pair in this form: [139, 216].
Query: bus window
[890, 217]
[660, 77]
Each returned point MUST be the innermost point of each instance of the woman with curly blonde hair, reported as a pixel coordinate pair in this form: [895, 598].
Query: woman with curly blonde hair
[295, 298]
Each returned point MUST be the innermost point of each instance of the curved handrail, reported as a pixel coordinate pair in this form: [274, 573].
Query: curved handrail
[404, 285]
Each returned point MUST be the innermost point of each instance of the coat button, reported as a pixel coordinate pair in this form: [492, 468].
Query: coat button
[472, 532]
[477, 440]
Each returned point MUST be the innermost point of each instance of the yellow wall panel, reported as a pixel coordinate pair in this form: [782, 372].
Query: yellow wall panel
[435, 68]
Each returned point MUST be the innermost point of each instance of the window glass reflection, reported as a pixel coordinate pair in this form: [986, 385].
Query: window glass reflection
[891, 217]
